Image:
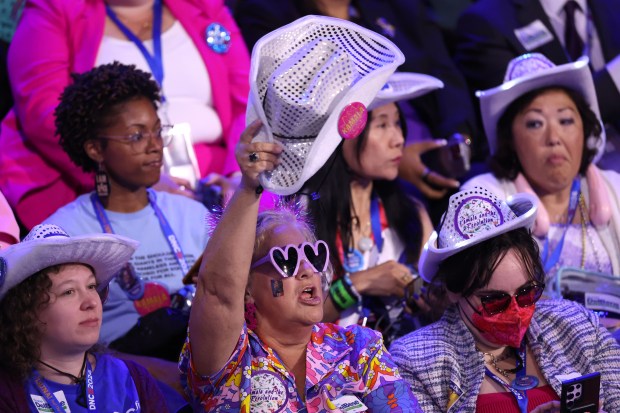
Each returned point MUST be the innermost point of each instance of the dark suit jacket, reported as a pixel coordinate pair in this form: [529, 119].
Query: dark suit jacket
[444, 111]
[486, 42]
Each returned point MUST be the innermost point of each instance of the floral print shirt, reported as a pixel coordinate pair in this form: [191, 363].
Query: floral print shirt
[347, 370]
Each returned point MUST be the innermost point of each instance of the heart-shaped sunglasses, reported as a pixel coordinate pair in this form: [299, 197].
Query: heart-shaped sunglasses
[286, 260]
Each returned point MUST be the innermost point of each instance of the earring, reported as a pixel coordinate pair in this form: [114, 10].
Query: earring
[102, 182]
[250, 316]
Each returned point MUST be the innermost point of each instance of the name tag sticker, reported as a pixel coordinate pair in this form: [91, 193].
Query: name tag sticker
[350, 404]
[533, 35]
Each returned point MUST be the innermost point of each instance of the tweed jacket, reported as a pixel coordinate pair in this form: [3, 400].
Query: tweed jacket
[446, 371]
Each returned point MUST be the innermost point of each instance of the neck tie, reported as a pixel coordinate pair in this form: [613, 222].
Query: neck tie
[572, 41]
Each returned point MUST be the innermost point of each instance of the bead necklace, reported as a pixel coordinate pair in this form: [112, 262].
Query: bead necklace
[585, 234]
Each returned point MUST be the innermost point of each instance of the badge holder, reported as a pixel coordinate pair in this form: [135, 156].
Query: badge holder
[596, 291]
[179, 156]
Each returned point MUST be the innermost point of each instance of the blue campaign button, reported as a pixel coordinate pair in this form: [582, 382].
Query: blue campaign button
[218, 38]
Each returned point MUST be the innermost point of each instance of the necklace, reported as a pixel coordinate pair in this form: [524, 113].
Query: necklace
[505, 354]
[79, 380]
[585, 233]
[365, 242]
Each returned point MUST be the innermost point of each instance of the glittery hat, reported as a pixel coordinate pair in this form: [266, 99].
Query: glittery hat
[474, 216]
[534, 71]
[310, 84]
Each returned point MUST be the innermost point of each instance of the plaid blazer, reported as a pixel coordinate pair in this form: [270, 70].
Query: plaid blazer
[445, 371]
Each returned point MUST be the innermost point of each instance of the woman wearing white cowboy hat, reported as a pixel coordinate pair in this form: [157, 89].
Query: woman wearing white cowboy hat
[364, 215]
[51, 289]
[545, 135]
[497, 348]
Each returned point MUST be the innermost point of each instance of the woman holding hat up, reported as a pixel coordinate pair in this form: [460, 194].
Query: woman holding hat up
[51, 291]
[545, 134]
[363, 213]
[497, 348]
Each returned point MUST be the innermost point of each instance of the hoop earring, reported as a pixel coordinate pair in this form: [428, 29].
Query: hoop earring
[102, 182]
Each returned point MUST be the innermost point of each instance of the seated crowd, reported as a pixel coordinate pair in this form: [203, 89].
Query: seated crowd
[336, 223]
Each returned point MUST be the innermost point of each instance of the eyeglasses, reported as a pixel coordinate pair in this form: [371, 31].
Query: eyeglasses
[286, 260]
[139, 140]
[497, 302]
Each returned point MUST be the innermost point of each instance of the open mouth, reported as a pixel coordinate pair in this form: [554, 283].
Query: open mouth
[310, 295]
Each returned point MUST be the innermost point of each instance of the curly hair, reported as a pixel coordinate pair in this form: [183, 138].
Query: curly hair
[90, 103]
[506, 165]
[21, 336]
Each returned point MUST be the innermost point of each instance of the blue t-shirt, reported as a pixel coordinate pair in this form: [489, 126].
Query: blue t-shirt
[115, 390]
[153, 260]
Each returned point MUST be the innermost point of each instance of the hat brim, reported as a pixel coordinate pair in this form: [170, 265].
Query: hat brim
[523, 205]
[105, 253]
[328, 138]
[405, 86]
[575, 76]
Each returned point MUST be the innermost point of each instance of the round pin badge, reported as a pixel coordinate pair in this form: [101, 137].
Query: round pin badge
[475, 215]
[353, 260]
[524, 383]
[155, 297]
[352, 120]
[268, 394]
[218, 38]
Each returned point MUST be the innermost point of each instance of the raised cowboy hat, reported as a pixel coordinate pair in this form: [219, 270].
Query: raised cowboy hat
[533, 71]
[474, 216]
[404, 86]
[310, 81]
[47, 245]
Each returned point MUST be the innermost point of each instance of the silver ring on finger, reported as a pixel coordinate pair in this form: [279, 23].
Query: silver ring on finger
[253, 157]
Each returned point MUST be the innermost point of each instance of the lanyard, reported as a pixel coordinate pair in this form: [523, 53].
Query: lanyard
[550, 260]
[154, 60]
[53, 402]
[171, 238]
[520, 395]
[375, 222]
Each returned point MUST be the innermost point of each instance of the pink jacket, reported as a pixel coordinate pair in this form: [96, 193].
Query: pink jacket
[55, 38]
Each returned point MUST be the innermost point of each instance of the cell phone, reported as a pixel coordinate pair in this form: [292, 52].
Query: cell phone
[581, 394]
[452, 160]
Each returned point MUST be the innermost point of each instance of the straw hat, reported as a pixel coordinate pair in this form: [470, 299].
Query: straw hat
[310, 84]
[474, 216]
[47, 245]
[534, 71]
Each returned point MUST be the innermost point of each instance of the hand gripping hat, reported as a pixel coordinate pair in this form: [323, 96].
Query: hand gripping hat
[310, 84]
[47, 245]
[534, 71]
[474, 216]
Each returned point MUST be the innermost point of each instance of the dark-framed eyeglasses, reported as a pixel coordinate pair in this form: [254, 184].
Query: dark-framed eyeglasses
[139, 140]
[495, 302]
[286, 260]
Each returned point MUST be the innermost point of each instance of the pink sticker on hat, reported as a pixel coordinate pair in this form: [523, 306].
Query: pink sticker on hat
[352, 120]
[475, 215]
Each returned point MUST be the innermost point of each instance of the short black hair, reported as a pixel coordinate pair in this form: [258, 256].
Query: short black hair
[506, 165]
[471, 269]
[87, 105]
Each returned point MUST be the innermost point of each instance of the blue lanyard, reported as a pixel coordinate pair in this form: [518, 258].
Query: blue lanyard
[520, 395]
[154, 60]
[375, 222]
[53, 402]
[550, 260]
[171, 238]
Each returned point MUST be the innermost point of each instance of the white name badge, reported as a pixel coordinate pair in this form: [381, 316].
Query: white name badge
[533, 35]
[350, 404]
[602, 302]
[43, 406]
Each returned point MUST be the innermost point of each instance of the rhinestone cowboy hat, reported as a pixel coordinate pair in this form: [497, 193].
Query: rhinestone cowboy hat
[404, 86]
[473, 216]
[533, 71]
[310, 82]
[47, 245]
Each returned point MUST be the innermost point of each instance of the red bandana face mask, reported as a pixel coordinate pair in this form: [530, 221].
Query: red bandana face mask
[506, 328]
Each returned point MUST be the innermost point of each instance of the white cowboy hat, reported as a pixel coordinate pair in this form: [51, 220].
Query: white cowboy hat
[533, 71]
[473, 216]
[311, 81]
[404, 86]
[47, 245]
